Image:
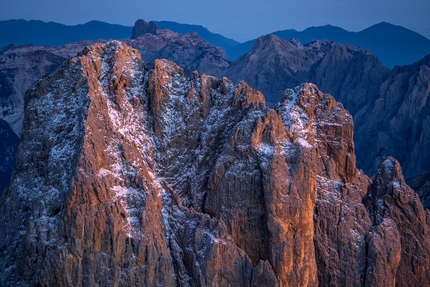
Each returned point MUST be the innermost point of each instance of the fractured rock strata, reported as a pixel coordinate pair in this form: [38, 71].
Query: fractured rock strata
[129, 176]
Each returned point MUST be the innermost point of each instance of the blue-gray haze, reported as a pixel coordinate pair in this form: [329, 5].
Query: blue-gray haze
[238, 19]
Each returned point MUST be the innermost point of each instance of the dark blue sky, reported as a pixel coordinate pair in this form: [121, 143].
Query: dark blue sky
[238, 19]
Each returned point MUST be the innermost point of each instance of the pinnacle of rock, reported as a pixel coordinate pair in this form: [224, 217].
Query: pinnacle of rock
[133, 176]
[142, 27]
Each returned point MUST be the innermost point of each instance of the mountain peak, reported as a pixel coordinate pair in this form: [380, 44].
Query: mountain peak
[266, 39]
[142, 27]
[129, 176]
[272, 41]
[142, 158]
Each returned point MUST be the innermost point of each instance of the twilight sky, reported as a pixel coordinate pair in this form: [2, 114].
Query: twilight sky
[238, 19]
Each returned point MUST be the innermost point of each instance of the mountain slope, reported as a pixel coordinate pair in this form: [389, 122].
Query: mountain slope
[20, 66]
[351, 74]
[393, 45]
[8, 143]
[21, 32]
[130, 176]
[390, 108]
[397, 122]
[212, 38]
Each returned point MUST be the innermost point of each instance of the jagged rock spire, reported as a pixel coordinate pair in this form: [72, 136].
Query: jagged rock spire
[142, 27]
[130, 176]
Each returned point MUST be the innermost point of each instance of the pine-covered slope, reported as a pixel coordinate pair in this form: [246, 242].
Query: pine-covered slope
[129, 176]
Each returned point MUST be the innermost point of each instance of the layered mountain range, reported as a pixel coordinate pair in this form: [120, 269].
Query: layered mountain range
[20, 66]
[130, 176]
[387, 105]
[390, 107]
[21, 32]
[394, 45]
[353, 76]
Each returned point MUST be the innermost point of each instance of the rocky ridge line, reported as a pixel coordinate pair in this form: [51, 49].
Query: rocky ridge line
[129, 176]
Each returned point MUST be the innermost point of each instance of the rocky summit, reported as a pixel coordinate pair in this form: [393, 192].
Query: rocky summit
[390, 107]
[142, 27]
[129, 176]
[20, 66]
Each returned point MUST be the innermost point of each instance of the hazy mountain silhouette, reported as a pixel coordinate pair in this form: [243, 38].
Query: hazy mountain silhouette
[393, 45]
[213, 39]
[21, 32]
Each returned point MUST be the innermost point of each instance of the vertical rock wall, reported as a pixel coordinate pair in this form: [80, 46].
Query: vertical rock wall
[128, 176]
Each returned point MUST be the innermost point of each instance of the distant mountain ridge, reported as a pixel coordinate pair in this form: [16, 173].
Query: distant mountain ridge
[393, 45]
[21, 32]
[211, 38]
[20, 66]
[390, 107]
[342, 70]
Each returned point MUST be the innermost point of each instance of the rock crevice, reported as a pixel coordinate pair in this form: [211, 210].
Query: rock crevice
[130, 176]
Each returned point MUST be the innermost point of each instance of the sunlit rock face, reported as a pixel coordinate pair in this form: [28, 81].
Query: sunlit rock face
[133, 176]
[390, 107]
[20, 66]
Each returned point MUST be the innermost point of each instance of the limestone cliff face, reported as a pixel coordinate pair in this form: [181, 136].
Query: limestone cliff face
[390, 108]
[400, 242]
[129, 176]
[397, 122]
[20, 66]
[352, 75]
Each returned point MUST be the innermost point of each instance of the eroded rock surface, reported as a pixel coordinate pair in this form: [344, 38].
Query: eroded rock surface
[130, 176]
[397, 122]
[20, 66]
[390, 108]
[400, 242]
